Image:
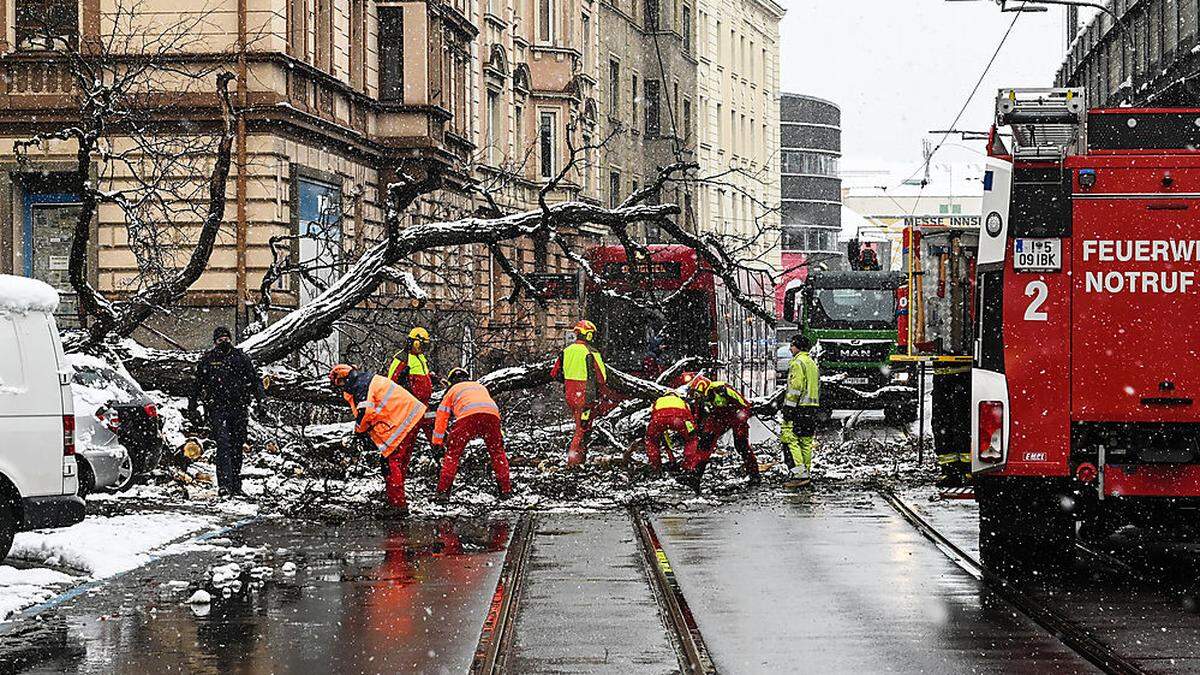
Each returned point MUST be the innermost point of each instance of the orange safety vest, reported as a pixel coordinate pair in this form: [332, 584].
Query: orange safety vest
[461, 400]
[391, 412]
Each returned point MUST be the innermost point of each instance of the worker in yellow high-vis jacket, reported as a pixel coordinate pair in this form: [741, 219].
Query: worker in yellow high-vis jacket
[800, 405]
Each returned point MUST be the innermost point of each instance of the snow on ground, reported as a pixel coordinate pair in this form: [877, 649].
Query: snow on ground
[101, 547]
[20, 588]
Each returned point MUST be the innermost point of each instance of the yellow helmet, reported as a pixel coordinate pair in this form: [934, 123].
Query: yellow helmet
[418, 333]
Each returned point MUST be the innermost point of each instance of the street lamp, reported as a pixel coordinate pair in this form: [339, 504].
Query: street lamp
[1126, 41]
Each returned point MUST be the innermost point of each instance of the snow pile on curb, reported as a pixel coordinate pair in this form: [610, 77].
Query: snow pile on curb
[20, 588]
[102, 547]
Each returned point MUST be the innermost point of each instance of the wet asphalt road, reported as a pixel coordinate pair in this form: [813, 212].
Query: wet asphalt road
[843, 586]
[810, 584]
[366, 598]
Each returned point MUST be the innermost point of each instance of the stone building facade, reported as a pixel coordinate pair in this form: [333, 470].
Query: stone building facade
[337, 94]
[738, 97]
[647, 96]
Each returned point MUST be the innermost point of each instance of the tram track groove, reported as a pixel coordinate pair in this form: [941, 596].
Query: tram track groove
[693, 654]
[1072, 635]
[499, 626]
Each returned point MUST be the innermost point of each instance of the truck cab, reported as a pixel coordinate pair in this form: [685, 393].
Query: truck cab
[850, 317]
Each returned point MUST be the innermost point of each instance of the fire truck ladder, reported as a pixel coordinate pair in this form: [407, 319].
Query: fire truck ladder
[1047, 124]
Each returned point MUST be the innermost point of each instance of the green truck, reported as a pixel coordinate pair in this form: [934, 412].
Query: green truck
[851, 319]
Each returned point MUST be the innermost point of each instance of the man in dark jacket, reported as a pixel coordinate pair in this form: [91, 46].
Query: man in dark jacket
[227, 382]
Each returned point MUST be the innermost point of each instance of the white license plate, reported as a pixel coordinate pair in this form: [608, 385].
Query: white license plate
[1037, 255]
[855, 380]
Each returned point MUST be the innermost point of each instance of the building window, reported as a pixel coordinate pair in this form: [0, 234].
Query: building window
[686, 28]
[652, 105]
[391, 54]
[633, 100]
[493, 130]
[44, 25]
[614, 189]
[585, 23]
[808, 163]
[546, 19]
[548, 142]
[614, 88]
[652, 15]
[675, 109]
[519, 133]
[687, 120]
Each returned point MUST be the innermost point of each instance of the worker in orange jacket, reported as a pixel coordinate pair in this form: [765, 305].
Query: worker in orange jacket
[582, 371]
[670, 413]
[475, 415]
[721, 409]
[386, 415]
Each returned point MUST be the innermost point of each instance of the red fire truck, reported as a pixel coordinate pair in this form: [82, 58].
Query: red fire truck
[1087, 356]
[654, 310]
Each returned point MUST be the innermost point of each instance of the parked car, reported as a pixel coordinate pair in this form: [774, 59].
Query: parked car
[117, 424]
[38, 470]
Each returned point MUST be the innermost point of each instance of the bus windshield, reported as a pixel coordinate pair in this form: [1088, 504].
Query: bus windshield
[853, 308]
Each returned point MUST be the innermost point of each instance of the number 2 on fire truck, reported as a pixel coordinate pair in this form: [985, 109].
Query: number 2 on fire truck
[1038, 291]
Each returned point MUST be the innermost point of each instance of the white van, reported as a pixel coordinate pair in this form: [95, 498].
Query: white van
[38, 475]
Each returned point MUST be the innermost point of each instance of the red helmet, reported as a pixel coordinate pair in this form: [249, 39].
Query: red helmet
[586, 330]
[339, 373]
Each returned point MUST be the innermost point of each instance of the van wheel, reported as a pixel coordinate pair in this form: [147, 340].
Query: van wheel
[87, 479]
[8, 525]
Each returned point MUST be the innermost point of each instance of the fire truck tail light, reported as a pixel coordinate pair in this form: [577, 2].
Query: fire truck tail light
[991, 431]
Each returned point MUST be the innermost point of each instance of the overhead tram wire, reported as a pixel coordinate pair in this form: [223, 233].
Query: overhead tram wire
[962, 111]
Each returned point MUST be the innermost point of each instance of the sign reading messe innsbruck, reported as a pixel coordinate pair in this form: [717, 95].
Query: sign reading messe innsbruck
[943, 221]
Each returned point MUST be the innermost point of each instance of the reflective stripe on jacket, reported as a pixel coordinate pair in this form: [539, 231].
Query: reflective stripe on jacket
[803, 382]
[388, 414]
[462, 400]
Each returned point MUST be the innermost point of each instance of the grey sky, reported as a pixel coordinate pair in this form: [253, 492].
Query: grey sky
[899, 68]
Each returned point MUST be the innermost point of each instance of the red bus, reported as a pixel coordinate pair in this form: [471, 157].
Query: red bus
[653, 311]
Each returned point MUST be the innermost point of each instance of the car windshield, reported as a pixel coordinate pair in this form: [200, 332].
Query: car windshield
[853, 308]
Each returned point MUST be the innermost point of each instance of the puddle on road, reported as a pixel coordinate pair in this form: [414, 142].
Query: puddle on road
[363, 597]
